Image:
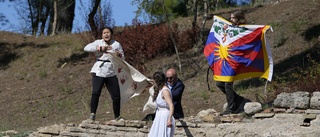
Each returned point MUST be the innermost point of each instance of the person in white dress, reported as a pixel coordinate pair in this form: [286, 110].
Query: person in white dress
[164, 122]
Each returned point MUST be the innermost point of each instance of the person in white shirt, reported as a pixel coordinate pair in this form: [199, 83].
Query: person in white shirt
[103, 72]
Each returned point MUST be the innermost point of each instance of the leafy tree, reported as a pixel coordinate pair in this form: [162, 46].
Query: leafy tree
[171, 33]
[155, 12]
[38, 16]
[65, 16]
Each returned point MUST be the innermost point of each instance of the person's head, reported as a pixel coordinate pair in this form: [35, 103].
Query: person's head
[107, 34]
[160, 80]
[237, 18]
[171, 76]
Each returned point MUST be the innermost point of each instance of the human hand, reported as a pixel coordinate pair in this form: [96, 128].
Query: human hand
[101, 48]
[118, 53]
[169, 124]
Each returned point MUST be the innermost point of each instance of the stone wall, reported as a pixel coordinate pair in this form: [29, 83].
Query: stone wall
[293, 114]
[285, 125]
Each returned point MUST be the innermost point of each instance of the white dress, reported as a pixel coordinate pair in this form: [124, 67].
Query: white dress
[159, 127]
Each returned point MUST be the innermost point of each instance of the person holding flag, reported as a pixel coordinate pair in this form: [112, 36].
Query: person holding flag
[236, 51]
[233, 99]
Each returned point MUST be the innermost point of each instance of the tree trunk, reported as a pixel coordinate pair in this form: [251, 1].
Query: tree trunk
[55, 17]
[205, 15]
[195, 12]
[34, 23]
[45, 16]
[171, 36]
[92, 24]
[65, 17]
[101, 19]
[217, 4]
[39, 12]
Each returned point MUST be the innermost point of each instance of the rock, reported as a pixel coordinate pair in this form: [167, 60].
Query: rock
[300, 99]
[263, 115]
[312, 111]
[207, 112]
[252, 107]
[315, 100]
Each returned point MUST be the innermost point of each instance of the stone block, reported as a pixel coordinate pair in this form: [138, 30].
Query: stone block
[264, 115]
[312, 111]
[315, 100]
[252, 107]
[118, 123]
[135, 123]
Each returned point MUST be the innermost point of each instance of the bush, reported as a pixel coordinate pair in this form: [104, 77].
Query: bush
[142, 43]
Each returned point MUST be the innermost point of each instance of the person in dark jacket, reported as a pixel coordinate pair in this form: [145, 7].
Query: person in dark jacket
[176, 87]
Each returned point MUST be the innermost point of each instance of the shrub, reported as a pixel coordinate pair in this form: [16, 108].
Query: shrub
[142, 43]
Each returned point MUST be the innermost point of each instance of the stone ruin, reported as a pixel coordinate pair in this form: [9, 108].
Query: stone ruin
[292, 114]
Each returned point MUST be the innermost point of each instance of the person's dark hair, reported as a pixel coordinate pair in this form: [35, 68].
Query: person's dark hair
[239, 15]
[160, 79]
[109, 28]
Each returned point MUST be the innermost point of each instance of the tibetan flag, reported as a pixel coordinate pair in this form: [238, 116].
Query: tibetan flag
[238, 52]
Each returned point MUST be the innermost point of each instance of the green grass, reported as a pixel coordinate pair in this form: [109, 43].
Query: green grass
[297, 24]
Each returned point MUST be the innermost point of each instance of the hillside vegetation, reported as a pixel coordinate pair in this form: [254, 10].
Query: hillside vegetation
[45, 80]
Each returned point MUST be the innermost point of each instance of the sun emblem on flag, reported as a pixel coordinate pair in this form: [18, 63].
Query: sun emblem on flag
[222, 53]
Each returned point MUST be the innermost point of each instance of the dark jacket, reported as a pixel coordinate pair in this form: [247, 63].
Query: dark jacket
[177, 90]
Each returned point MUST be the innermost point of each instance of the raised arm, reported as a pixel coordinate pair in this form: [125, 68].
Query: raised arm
[91, 47]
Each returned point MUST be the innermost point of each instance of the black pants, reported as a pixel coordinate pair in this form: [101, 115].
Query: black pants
[233, 99]
[114, 91]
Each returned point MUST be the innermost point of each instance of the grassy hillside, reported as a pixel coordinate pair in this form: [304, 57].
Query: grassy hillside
[45, 80]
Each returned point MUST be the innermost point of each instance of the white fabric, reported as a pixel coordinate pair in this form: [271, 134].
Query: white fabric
[104, 69]
[131, 82]
[159, 127]
[150, 106]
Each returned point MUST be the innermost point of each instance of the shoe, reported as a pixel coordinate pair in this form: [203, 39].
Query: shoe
[119, 118]
[92, 116]
[240, 105]
[227, 112]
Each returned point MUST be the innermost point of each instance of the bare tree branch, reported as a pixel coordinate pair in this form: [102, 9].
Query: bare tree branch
[171, 35]
[91, 21]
